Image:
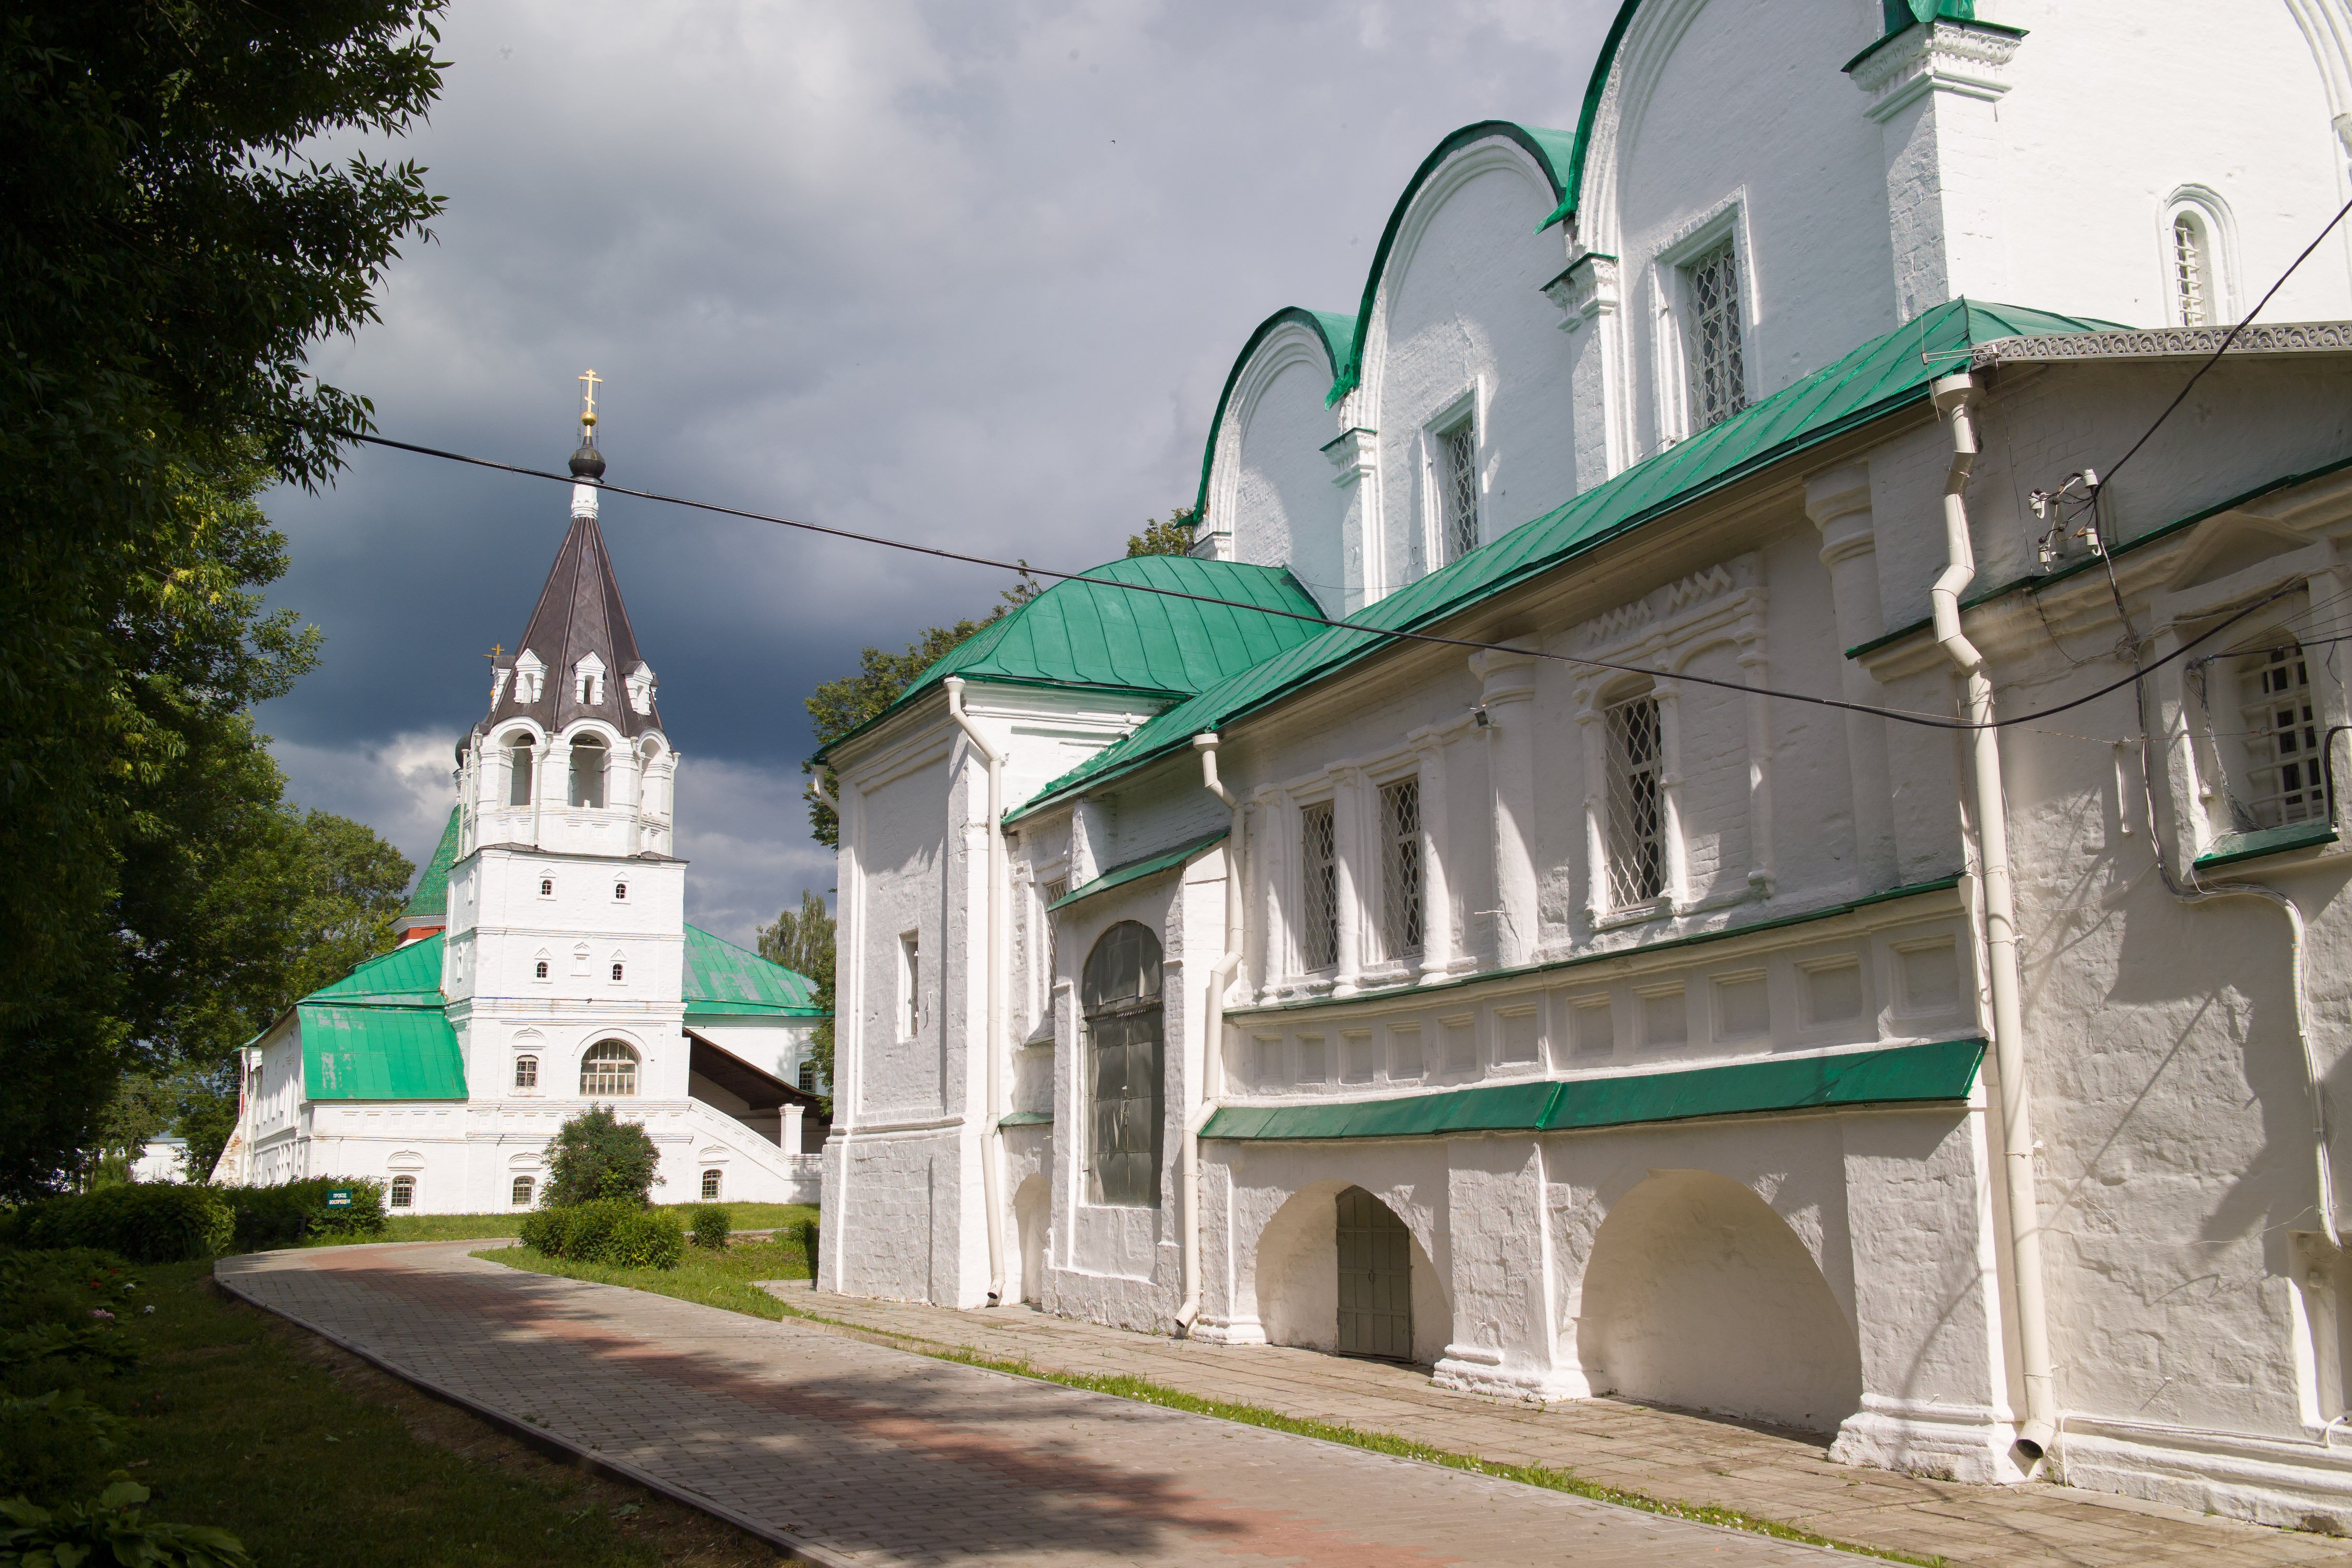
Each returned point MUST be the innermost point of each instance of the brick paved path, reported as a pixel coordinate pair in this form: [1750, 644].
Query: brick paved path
[854, 1452]
[1691, 1458]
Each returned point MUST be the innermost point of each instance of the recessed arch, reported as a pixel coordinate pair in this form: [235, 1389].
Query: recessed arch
[1292, 1282]
[1698, 1294]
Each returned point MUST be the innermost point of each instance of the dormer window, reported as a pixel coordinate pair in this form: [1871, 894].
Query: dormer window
[588, 681]
[641, 688]
[530, 678]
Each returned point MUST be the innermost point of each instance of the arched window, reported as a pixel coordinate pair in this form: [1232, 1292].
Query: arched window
[709, 1186]
[616, 972]
[1124, 1022]
[522, 1190]
[547, 886]
[2192, 269]
[519, 768]
[526, 1072]
[588, 753]
[620, 889]
[403, 1191]
[538, 970]
[609, 1068]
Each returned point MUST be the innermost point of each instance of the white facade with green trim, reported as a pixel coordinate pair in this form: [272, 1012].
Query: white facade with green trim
[1665, 1069]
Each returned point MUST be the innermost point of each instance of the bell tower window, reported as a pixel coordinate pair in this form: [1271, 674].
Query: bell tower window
[588, 755]
[520, 760]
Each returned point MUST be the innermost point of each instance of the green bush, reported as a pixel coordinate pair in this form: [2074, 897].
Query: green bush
[150, 1223]
[111, 1530]
[63, 1287]
[649, 1238]
[614, 1231]
[292, 1212]
[542, 1231]
[596, 1155]
[805, 1232]
[55, 1444]
[711, 1225]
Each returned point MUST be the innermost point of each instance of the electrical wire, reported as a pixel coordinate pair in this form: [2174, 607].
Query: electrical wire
[1021, 568]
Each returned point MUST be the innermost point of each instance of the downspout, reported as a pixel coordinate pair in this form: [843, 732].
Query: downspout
[1953, 394]
[991, 1150]
[1210, 1080]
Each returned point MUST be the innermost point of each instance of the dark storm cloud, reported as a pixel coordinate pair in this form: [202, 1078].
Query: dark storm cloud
[959, 274]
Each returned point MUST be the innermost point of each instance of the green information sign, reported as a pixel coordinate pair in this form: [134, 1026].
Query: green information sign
[339, 1197]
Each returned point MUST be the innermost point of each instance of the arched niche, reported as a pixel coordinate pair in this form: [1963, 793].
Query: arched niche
[1296, 1277]
[1031, 1206]
[1698, 1295]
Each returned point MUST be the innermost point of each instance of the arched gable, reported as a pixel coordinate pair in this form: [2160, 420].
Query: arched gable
[1334, 333]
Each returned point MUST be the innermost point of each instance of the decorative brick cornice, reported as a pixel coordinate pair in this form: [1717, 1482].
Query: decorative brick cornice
[2166, 343]
[1939, 55]
[1586, 290]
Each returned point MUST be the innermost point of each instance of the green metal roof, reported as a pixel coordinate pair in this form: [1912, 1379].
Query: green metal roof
[724, 979]
[2232, 847]
[1900, 1074]
[1136, 871]
[432, 895]
[1883, 375]
[407, 976]
[380, 1053]
[1090, 631]
[1336, 333]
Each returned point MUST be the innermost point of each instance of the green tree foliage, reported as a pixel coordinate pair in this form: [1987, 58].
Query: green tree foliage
[1174, 537]
[801, 941]
[597, 1155]
[171, 252]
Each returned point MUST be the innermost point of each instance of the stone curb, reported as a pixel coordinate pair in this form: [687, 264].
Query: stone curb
[562, 1449]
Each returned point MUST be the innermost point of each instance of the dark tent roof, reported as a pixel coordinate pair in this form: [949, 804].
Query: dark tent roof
[580, 613]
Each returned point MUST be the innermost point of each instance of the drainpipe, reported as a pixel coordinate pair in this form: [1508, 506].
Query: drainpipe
[1953, 394]
[1211, 1082]
[992, 1151]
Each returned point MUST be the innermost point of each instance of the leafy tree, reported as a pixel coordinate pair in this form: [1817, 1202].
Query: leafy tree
[597, 1155]
[353, 886]
[171, 252]
[1174, 537]
[801, 939]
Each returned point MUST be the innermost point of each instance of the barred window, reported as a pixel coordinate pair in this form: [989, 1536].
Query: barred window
[807, 1079]
[609, 1068]
[526, 1072]
[1049, 927]
[1636, 850]
[1718, 373]
[1124, 1031]
[523, 1186]
[403, 1191]
[1401, 868]
[1458, 487]
[709, 1186]
[1318, 927]
[2192, 270]
[2282, 782]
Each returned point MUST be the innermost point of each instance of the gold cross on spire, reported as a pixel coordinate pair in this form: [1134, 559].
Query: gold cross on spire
[496, 648]
[591, 381]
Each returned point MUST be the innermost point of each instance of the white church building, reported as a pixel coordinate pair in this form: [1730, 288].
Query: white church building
[1543, 978]
[545, 963]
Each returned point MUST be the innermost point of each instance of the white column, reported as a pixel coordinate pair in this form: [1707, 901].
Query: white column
[1839, 504]
[1356, 455]
[1670, 794]
[1595, 749]
[1437, 895]
[1278, 831]
[788, 1137]
[1348, 874]
[1758, 671]
[1509, 696]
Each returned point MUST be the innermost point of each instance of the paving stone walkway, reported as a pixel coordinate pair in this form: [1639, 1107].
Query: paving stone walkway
[847, 1451]
[1673, 1454]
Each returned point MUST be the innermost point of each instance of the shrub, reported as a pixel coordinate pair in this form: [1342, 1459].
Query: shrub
[111, 1530]
[712, 1225]
[597, 1155]
[804, 1231]
[55, 1444]
[286, 1215]
[542, 1231]
[614, 1231]
[150, 1223]
[649, 1238]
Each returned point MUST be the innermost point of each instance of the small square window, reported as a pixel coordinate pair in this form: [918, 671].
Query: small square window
[526, 1072]
[709, 1186]
[403, 1191]
[522, 1190]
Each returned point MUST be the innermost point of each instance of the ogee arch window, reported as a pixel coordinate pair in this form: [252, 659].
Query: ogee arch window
[1125, 1028]
[609, 1068]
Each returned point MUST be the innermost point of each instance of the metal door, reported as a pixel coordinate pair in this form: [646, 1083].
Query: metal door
[1375, 1280]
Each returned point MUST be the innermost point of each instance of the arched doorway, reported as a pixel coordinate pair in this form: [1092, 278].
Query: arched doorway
[1375, 1280]
[1119, 995]
[1698, 1295]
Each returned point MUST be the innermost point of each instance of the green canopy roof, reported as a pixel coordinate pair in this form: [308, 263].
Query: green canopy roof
[407, 976]
[432, 895]
[1897, 1075]
[380, 1053]
[1136, 871]
[1884, 375]
[722, 980]
[1092, 631]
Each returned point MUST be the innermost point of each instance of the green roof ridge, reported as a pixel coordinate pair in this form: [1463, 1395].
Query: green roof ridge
[1887, 372]
[1094, 630]
[432, 895]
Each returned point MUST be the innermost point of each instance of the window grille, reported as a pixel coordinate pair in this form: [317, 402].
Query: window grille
[609, 1068]
[1125, 1023]
[526, 1072]
[1052, 893]
[1401, 868]
[709, 1186]
[522, 1190]
[1636, 854]
[2192, 279]
[1320, 882]
[1718, 374]
[1457, 460]
[519, 764]
[808, 1078]
[2284, 782]
[403, 1191]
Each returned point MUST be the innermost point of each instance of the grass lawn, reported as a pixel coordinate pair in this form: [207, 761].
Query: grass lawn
[713, 1278]
[312, 1457]
[468, 1226]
